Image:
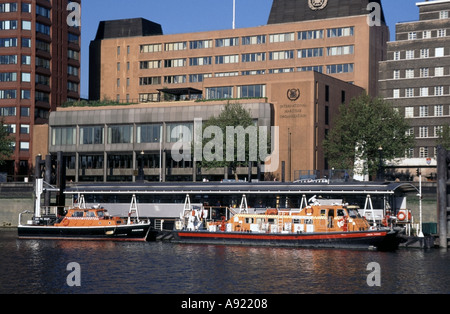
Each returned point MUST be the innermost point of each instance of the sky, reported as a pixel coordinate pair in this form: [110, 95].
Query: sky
[187, 16]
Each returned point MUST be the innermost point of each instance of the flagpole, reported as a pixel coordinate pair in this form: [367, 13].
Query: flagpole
[234, 14]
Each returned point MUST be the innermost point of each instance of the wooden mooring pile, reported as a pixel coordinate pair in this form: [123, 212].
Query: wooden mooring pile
[443, 194]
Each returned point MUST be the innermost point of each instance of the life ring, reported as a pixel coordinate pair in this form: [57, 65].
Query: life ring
[65, 222]
[309, 211]
[401, 216]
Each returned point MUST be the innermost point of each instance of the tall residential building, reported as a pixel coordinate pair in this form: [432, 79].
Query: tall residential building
[416, 80]
[39, 71]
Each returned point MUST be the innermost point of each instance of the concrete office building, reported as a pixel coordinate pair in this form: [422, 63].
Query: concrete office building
[39, 70]
[292, 73]
[416, 80]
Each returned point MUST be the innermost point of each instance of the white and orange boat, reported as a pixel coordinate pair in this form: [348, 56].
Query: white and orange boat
[81, 223]
[314, 226]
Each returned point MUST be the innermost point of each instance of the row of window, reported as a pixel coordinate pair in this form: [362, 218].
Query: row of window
[248, 57]
[247, 40]
[421, 72]
[421, 53]
[199, 77]
[424, 152]
[425, 131]
[422, 91]
[425, 111]
[24, 112]
[120, 134]
[427, 34]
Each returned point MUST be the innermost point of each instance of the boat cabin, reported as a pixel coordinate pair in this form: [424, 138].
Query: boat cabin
[314, 218]
[88, 217]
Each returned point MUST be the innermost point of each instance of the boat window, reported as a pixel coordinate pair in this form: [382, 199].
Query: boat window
[308, 221]
[353, 213]
[296, 220]
[323, 212]
[78, 214]
[271, 220]
[341, 212]
[100, 214]
[249, 220]
[90, 214]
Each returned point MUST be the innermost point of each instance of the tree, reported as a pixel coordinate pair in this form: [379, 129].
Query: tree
[5, 144]
[444, 137]
[230, 140]
[367, 129]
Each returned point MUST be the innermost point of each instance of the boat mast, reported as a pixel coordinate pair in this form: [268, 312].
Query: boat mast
[39, 188]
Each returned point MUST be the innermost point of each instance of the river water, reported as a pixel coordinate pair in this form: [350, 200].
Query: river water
[41, 266]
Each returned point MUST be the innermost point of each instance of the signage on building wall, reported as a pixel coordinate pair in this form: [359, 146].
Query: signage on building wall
[292, 110]
[317, 4]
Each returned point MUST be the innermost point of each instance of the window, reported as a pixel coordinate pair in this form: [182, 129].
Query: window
[340, 68]
[24, 111]
[150, 48]
[26, 7]
[25, 94]
[306, 35]
[26, 25]
[227, 59]
[441, 32]
[175, 63]
[179, 132]
[409, 54]
[423, 112]
[155, 80]
[63, 136]
[254, 40]
[7, 111]
[24, 129]
[439, 90]
[423, 152]
[341, 50]
[72, 86]
[254, 57]
[200, 61]
[438, 130]
[91, 135]
[71, 70]
[397, 55]
[396, 93]
[409, 92]
[9, 59]
[424, 72]
[280, 38]
[8, 25]
[119, 134]
[155, 64]
[200, 44]
[281, 55]
[26, 77]
[396, 74]
[317, 68]
[8, 94]
[42, 11]
[438, 110]
[44, 29]
[73, 38]
[412, 35]
[8, 7]
[423, 131]
[424, 91]
[25, 146]
[252, 91]
[72, 54]
[424, 53]
[8, 42]
[8, 77]
[26, 42]
[409, 73]
[219, 92]
[27, 60]
[340, 32]
[439, 52]
[175, 46]
[409, 112]
[439, 71]
[310, 53]
[227, 42]
[175, 79]
[443, 15]
[426, 34]
[148, 133]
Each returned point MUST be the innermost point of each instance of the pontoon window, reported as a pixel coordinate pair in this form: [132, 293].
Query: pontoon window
[341, 212]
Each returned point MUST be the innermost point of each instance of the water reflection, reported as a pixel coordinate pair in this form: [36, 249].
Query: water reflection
[30, 266]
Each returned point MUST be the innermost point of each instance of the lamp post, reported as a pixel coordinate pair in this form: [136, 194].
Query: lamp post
[380, 167]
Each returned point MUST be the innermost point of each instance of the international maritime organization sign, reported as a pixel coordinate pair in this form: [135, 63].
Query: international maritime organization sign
[317, 4]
